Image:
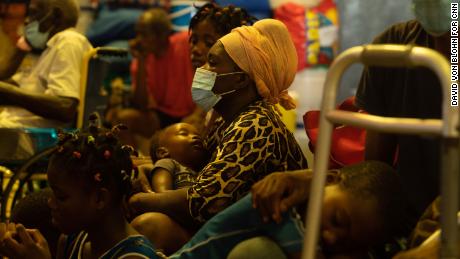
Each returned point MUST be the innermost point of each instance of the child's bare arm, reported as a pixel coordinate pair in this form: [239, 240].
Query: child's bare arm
[161, 180]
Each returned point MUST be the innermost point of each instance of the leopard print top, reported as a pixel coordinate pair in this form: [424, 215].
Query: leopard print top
[252, 146]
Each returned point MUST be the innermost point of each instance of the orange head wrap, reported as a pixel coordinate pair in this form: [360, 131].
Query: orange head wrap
[267, 54]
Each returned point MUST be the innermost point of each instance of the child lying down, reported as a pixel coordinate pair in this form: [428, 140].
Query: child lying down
[362, 206]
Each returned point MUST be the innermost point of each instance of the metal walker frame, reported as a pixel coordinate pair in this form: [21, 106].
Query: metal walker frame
[387, 55]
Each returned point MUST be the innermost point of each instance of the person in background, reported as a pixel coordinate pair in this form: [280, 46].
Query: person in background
[48, 95]
[409, 92]
[161, 74]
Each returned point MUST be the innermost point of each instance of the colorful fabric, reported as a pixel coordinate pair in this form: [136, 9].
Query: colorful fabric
[322, 24]
[246, 149]
[169, 78]
[266, 52]
[240, 222]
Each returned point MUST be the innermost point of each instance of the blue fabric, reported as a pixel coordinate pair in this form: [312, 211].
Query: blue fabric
[237, 223]
[133, 245]
[113, 24]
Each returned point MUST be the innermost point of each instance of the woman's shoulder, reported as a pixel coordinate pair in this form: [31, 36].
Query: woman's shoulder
[258, 121]
[260, 112]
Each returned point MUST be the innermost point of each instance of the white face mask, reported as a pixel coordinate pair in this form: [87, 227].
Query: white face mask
[202, 85]
[34, 37]
[433, 15]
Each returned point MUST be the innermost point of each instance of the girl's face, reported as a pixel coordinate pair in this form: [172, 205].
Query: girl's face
[72, 204]
[203, 36]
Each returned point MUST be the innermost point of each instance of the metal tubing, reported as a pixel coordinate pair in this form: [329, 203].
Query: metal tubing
[386, 124]
[378, 55]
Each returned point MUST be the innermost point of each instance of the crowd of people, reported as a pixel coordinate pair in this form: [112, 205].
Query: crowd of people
[225, 171]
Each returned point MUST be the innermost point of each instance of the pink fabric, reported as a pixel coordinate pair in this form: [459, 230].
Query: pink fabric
[169, 78]
[266, 52]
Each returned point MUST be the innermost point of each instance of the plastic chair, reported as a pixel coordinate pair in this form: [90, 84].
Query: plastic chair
[94, 66]
[445, 128]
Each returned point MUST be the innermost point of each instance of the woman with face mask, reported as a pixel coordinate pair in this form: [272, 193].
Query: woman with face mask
[246, 73]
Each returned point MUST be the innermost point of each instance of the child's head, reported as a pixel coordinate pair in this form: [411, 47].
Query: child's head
[89, 173]
[362, 206]
[153, 30]
[181, 142]
[209, 24]
[33, 212]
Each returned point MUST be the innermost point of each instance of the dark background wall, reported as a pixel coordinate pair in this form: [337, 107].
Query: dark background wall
[361, 21]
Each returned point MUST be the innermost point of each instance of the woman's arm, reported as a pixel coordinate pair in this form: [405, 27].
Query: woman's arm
[48, 106]
[173, 203]
[161, 180]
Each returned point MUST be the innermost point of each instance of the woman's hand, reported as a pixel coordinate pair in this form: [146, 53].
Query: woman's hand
[24, 244]
[278, 192]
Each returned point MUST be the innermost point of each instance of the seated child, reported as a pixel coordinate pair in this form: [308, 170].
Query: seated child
[89, 173]
[362, 206]
[33, 212]
[178, 153]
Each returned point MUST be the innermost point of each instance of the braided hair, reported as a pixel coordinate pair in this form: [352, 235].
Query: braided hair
[97, 157]
[224, 18]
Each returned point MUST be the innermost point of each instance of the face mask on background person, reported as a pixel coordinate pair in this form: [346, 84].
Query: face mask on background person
[34, 37]
[202, 85]
[433, 15]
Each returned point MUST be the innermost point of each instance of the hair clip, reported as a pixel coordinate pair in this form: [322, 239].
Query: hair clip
[91, 140]
[127, 148]
[107, 154]
[76, 154]
[124, 175]
[98, 177]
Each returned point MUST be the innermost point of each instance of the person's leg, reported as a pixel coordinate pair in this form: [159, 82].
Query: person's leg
[165, 233]
[257, 248]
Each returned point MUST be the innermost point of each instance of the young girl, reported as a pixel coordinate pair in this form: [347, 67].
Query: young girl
[90, 175]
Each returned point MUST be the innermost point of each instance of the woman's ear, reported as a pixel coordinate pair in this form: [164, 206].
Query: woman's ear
[333, 177]
[162, 152]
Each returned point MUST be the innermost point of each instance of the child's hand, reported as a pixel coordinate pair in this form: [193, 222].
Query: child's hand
[278, 192]
[25, 244]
